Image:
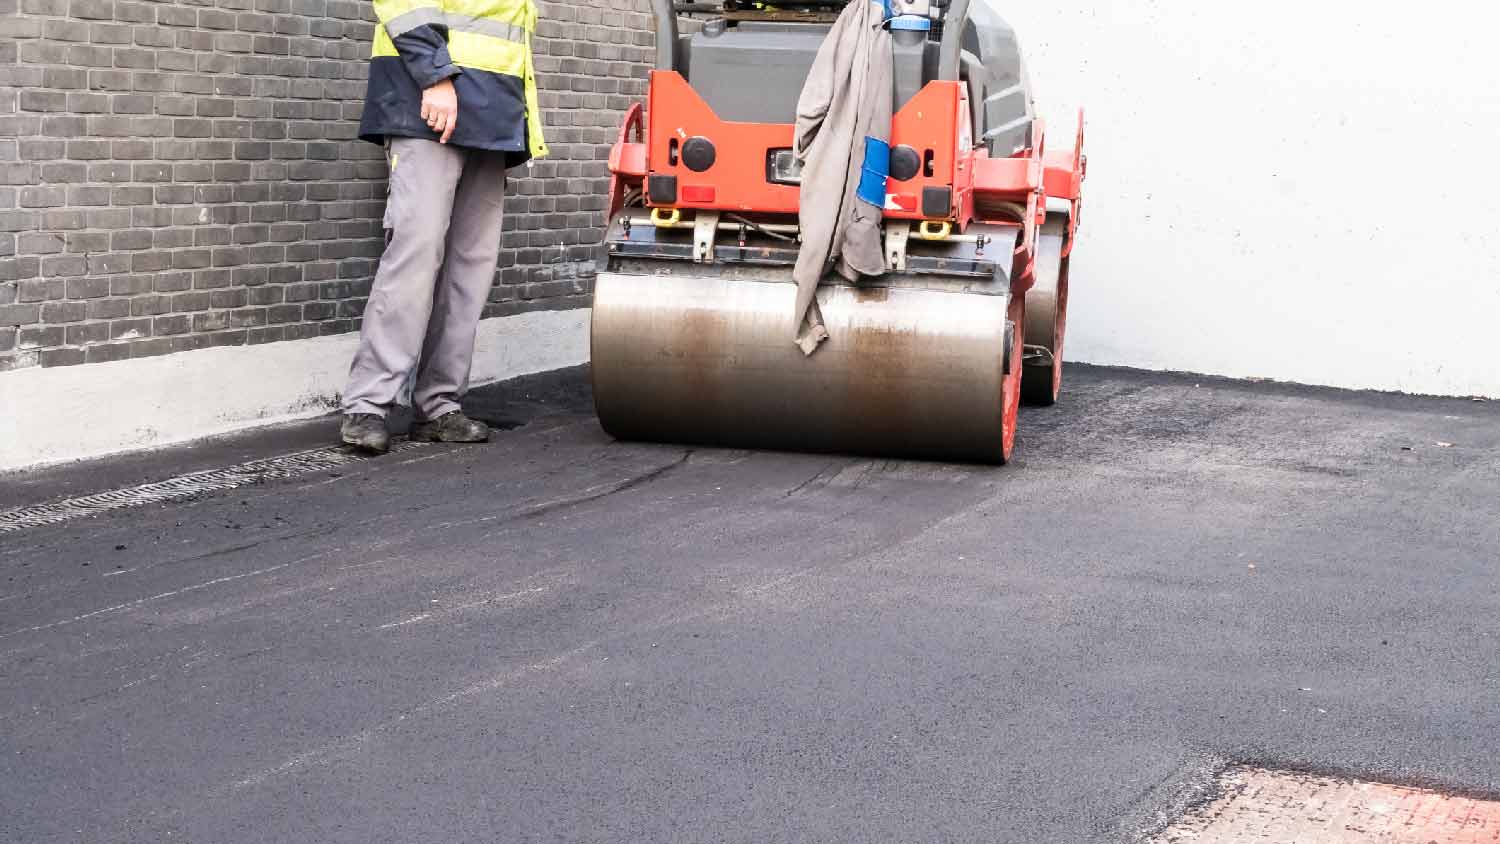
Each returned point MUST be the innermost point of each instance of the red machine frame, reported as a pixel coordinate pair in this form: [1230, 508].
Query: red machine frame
[936, 122]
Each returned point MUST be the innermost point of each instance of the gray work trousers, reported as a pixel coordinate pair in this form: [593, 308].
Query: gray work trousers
[442, 228]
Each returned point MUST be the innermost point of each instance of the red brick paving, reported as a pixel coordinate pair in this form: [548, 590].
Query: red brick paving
[1275, 807]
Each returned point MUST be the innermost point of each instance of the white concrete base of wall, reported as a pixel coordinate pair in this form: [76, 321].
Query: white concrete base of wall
[1291, 190]
[75, 412]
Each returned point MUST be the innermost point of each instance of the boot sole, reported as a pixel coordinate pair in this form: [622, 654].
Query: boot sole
[438, 438]
[367, 448]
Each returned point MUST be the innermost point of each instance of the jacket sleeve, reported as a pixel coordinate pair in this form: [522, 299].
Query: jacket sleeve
[818, 90]
[419, 31]
[830, 69]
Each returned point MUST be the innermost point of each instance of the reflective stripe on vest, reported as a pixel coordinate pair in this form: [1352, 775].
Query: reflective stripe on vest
[402, 16]
[486, 26]
[407, 21]
[481, 51]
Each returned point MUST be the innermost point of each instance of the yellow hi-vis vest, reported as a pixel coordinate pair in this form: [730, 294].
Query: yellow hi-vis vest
[488, 35]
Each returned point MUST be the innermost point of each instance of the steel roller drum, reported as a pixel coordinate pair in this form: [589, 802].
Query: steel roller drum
[704, 355]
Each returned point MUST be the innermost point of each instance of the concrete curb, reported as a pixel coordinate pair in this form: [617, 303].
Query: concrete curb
[61, 414]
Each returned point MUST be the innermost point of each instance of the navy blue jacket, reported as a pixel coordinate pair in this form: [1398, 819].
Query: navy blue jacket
[496, 109]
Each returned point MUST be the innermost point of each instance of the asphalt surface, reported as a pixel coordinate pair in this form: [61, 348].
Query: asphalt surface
[557, 637]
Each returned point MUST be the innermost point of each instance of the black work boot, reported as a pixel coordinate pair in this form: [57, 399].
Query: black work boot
[453, 427]
[366, 432]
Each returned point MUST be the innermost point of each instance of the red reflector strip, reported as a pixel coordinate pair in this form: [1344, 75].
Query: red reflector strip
[698, 193]
[904, 201]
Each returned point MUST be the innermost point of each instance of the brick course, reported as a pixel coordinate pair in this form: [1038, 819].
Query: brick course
[178, 175]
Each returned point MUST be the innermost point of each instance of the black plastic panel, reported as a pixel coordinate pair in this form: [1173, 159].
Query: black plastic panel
[662, 189]
[937, 203]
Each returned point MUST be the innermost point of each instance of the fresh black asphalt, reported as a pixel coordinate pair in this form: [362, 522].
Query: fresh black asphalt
[561, 638]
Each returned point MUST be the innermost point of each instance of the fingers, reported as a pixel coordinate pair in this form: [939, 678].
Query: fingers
[443, 122]
[440, 112]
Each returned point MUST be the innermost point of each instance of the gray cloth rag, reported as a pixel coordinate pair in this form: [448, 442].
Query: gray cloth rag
[847, 98]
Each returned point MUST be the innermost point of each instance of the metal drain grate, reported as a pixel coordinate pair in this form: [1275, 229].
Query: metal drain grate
[1279, 807]
[187, 486]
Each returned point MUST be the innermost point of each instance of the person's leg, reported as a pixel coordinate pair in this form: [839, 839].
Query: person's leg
[424, 180]
[463, 287]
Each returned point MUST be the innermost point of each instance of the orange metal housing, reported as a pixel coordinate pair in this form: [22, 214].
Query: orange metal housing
[737, 178]
[936, 122]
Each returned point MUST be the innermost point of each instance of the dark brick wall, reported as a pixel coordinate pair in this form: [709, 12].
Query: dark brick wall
[178, 174]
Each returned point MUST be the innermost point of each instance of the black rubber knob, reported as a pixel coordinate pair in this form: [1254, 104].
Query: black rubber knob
[699, 154]
[905, 162]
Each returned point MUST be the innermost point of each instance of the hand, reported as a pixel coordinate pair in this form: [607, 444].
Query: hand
[440, 109]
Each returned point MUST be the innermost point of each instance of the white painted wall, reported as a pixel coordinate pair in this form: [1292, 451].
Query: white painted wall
[73, 412]
[1307, 191]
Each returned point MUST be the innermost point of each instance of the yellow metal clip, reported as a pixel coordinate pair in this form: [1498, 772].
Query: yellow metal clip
[667, 220]
[934, 230]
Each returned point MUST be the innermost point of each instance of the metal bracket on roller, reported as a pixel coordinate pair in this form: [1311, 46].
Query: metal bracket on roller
[1037, 356]
[896, 236]
[705, 230]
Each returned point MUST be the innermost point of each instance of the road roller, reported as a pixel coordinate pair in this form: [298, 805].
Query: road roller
[693, 318]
